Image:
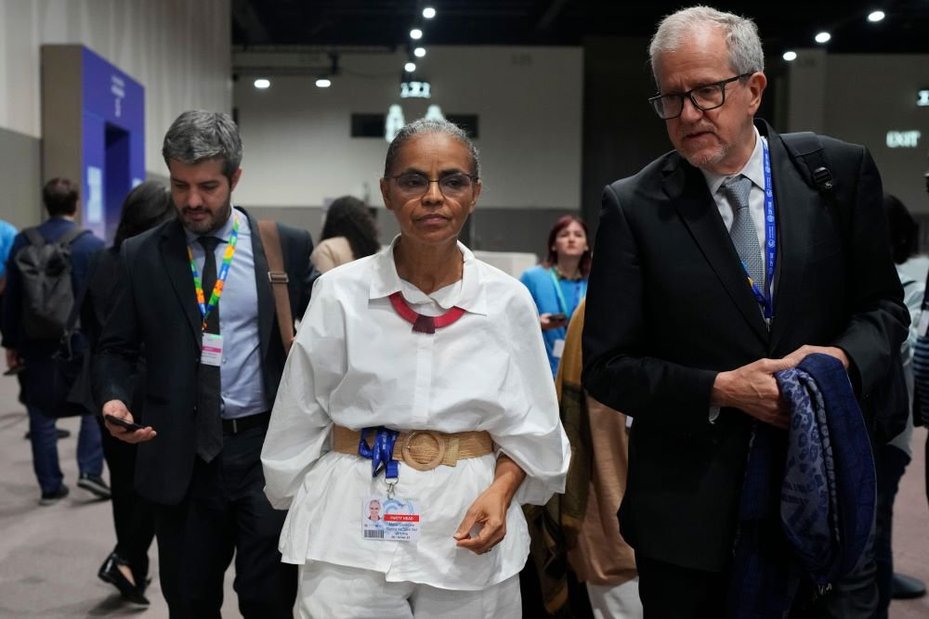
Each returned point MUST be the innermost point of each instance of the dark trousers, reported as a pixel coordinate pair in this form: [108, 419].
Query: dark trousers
[670, 591]
[891, 463]
[132, 515]
[225, 513]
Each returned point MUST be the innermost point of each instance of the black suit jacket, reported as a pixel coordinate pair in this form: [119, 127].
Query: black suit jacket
[155, 311]
[668, 307]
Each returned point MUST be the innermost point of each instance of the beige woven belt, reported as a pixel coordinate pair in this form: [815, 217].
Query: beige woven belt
[421, 449]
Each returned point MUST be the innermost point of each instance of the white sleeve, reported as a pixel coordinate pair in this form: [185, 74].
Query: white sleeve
[298, 433]
[530, 431]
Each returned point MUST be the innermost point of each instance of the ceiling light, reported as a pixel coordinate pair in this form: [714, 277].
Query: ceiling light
[262, 83]
[876, 16]
[419, 52]
[822, 37]
[790, 56]
[409, 67]
[323, 82]
[416, 34]
[428, 12]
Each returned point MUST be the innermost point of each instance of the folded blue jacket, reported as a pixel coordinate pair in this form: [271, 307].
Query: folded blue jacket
[807, 506]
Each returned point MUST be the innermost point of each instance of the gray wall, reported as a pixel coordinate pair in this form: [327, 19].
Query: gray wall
[20, 158]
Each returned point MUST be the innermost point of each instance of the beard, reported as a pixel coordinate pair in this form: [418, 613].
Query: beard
[201, 220]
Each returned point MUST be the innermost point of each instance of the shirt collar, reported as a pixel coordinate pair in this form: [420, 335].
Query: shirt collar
[386, 281]
[222, 234]
[753, 169]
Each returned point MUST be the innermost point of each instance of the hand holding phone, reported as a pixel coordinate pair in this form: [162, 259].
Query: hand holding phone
[557, 317]
[122, 423]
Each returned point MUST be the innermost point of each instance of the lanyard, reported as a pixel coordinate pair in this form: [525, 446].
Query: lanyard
[562, 304]
[770, 243]
[206, 308]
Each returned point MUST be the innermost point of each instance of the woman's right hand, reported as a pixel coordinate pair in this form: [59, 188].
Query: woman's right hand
[552, 321]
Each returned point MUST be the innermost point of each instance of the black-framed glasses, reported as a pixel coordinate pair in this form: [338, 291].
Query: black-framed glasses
[704, 98]
[415, 184]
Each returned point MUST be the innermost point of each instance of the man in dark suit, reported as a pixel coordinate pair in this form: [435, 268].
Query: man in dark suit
[695, 301]
[195, 301]
[30, 354]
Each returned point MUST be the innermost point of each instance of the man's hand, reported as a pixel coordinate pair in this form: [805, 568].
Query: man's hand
[13, 360]
[552, 321]
[753, 389]
[116, 408]
[798, 355]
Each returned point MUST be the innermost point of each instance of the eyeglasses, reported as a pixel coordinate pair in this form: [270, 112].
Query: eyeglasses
[414, 184]
[704, 98]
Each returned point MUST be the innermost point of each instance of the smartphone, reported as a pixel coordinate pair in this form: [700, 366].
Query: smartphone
[122, 423]
[557, 317]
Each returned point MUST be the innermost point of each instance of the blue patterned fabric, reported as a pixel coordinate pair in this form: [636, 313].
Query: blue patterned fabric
[808, 500]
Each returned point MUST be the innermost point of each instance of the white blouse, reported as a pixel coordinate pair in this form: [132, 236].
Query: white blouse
[357, 363]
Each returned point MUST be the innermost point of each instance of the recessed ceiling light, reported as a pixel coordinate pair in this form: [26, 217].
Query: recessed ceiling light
[416, 34]
[428, 12]
[876, 16]
[409, 67]
[790, 56]
[323, 82]
[419, 52]
[262, 83]
[822, 37]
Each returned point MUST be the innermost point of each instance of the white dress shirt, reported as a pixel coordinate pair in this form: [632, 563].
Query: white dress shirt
[358, 364]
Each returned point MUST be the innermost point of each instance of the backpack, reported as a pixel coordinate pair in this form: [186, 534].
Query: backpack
[887, 408]
[47, 292]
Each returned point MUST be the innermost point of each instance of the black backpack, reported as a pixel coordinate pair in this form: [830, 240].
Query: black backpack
[887, 408]
[47, 292]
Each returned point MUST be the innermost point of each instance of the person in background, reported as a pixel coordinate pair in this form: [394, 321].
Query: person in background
[892, 458]
[7, 234]
[126, 567]
[578, 528]
[560, 282]
[31, 357]
[434, 356]
[194, 300]
[688, 320]
[348, 233]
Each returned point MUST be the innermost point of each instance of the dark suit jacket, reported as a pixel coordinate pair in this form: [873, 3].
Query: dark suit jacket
[155, 311]
[668, 307]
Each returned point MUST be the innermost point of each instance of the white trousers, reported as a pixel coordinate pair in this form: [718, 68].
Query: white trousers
[326, 591]
[615, 602]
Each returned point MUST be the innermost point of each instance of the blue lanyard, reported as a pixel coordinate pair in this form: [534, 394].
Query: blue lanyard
[382, 453]
[562, 304]
[770, 245]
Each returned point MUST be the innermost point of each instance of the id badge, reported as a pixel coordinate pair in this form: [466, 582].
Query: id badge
[211, 352]
[558, 349]
[390, 519]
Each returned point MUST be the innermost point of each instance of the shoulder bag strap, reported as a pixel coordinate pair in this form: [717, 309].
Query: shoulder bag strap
[271, 239]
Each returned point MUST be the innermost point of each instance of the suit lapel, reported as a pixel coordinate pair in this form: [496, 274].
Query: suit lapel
[263, 285]
[687, 190]
[174, 258]
[795, 203]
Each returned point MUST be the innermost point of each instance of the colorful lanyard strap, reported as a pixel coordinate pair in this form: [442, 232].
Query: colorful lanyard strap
[770, 245]
[421, 323]
[562, 304]
[206, 308]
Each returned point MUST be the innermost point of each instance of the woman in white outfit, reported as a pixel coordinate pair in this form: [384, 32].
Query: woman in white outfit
[418, 379]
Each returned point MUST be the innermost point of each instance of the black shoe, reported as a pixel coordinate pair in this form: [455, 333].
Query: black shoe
[95, 485]
[905, 587]
[109, 572]
[59, 432]
[50, 498]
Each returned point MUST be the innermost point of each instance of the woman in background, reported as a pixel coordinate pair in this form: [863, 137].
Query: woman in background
[126, 568]
[560, 282]
[349, 233]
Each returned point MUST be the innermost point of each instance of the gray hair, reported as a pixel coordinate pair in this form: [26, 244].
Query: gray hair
[198, 135]
[422, 126]
[745, 51]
